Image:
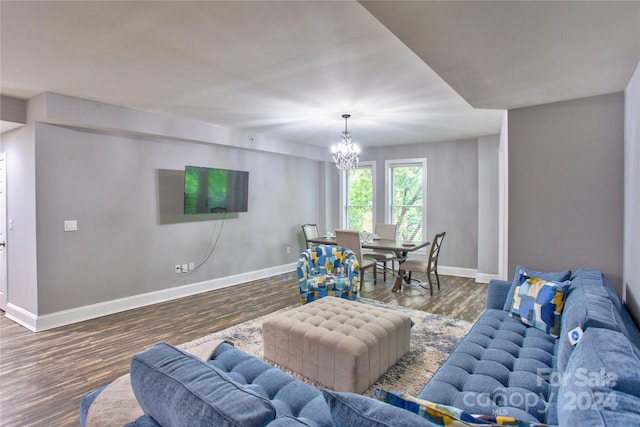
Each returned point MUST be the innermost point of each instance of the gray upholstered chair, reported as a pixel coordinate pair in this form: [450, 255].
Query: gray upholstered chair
[310, 232]
[350, 239]
[387, 232]
[429, 266]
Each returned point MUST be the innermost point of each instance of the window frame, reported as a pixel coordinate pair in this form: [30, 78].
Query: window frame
[344, 193]
[389, 164]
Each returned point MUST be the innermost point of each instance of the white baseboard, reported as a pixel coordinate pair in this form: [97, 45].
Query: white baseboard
[21, 316]
[486, 278]
[457, 271]
[471, 273]
[37, 323]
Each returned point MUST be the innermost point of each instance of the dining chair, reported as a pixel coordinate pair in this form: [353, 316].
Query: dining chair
[387, 232]
[310, 232]
[429, 266]
[351, 239]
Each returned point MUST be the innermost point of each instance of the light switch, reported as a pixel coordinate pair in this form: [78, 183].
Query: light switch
[70, 225]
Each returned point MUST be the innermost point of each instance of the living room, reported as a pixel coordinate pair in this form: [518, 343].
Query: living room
[571, 200]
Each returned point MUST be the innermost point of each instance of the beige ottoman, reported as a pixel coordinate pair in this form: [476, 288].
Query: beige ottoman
[344, 345]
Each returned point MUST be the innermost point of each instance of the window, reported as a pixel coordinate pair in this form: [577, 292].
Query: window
[406, 197]
[359, 197]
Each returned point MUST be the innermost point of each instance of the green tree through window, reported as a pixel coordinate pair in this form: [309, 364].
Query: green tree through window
[359, 199]
[407, 199]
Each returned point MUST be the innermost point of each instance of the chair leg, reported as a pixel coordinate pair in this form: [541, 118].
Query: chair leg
[437, 278]
[384, 272]
[375, 275]
[430, 285]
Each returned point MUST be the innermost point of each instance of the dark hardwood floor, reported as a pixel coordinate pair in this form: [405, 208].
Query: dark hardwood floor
[44, 375]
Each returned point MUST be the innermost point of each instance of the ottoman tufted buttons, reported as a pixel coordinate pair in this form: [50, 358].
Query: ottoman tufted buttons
[348, 351]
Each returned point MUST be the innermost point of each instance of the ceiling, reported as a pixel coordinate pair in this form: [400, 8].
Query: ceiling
[512, 54]
[291, 69]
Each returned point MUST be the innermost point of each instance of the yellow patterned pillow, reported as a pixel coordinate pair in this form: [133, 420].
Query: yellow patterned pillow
[539, 303]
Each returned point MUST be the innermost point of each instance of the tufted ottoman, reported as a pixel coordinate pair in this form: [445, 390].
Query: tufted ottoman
[344, 345]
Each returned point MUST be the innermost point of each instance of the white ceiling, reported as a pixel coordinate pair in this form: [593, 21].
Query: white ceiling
[291, 69]
[511, 54]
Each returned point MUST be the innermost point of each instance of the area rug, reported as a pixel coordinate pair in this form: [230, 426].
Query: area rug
[433, 338]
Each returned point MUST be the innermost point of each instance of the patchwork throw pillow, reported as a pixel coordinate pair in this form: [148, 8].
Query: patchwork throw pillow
[444, 415]
[556, 276]
[539, 303]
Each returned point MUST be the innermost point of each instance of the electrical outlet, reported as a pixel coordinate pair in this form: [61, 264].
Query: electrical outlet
[288, 249]
[185, 268]
[192, 266]
[178, 269]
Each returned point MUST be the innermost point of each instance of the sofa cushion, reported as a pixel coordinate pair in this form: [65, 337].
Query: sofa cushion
[351, 409]
[539, 303]
[291, 398]
[285, 421]
[501, 367]
[595, 283]
[176, 388]
[557, 276]
[143, 421]
[585, 310]
[601, 385]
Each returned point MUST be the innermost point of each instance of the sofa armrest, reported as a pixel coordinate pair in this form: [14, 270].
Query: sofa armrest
[497, 293]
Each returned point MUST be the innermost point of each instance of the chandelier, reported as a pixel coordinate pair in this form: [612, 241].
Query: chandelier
[346, 154]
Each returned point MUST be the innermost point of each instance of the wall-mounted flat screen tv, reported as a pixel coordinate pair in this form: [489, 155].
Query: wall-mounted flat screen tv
[211, 190]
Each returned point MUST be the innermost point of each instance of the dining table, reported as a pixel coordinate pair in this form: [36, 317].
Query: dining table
[401, 248]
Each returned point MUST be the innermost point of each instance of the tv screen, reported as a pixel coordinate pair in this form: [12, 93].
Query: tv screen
[210, 190]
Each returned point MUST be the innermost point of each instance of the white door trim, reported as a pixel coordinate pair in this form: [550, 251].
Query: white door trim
[3, 231]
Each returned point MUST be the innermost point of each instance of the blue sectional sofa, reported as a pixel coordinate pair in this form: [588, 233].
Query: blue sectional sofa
[508, 368]
[504, 367]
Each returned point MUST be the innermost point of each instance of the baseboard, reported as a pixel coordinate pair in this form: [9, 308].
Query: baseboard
[486, 278]
[470, 273]
[21, 316]
[457, 271]
[37, 323]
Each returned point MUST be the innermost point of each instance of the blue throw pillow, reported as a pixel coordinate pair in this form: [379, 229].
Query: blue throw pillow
[178, 389]
[350, 409]
[539, 303]
[601, 385]
[556, 276]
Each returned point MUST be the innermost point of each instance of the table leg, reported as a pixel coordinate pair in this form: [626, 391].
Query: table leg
[402, 257]
[397, 286]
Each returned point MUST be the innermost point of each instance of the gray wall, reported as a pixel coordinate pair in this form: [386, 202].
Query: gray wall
[112, 184]
[488, 204]
[123, 186]
[22, 279]
[13, 110]
[452, 194]
[632, 196]
[109, 184]
[566, 185]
